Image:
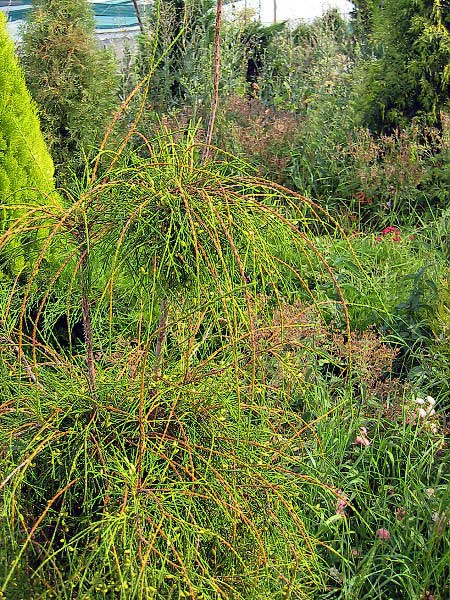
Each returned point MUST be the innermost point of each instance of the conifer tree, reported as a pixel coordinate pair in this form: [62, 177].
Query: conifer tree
[72, 80]
[26, 168]
[409, 77]
[363, 16]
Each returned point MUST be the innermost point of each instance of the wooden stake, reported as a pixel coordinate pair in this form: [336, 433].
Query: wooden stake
[215, 100]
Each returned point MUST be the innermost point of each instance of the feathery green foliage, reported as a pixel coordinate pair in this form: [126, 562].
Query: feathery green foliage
[26, 168]
[409, 76]
[73, 82]
[363, 15]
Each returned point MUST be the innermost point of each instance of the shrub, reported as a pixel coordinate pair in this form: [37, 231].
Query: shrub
[177, 49]
[408, 78]
[258, 133]
[26, 168]
[146, 462]
[72, 81]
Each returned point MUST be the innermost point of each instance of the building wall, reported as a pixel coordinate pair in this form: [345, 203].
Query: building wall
[110, 15]
[287, 9]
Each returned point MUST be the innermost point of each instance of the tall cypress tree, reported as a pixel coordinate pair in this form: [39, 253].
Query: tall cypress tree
[72, 80]
[26, 168]
[410, 76]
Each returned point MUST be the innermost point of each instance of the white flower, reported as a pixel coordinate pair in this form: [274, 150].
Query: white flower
[422, 413]
[431, 401]
[419, 401]
[334, 573]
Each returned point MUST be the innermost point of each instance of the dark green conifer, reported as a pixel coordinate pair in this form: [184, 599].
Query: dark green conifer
[409, 75]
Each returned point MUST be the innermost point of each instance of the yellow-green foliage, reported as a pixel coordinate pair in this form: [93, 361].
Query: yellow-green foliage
[26, 168]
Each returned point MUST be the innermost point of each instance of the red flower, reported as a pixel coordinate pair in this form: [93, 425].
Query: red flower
[390, 229]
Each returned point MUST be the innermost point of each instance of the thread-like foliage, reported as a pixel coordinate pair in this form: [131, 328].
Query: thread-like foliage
[161, 459]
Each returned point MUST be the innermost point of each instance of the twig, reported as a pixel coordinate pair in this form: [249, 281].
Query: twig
[162, 334]
[215, 100]
[87, 326]
[26, 365]
[13, 472]
[137, 10]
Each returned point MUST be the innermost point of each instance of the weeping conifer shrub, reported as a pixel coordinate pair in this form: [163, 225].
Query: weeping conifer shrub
[159, 456]
[26, 168]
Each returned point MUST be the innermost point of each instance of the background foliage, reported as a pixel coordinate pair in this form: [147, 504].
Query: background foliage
[213, 386]
[72, 81]
[26, 168]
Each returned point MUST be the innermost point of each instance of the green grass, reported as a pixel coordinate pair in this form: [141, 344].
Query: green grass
[399, 483]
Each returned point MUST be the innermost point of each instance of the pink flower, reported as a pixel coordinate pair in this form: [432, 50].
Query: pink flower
[341, 505]
[400, 513]
[383, 534]
[396, 239]
[378, 238]
[362, 439]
